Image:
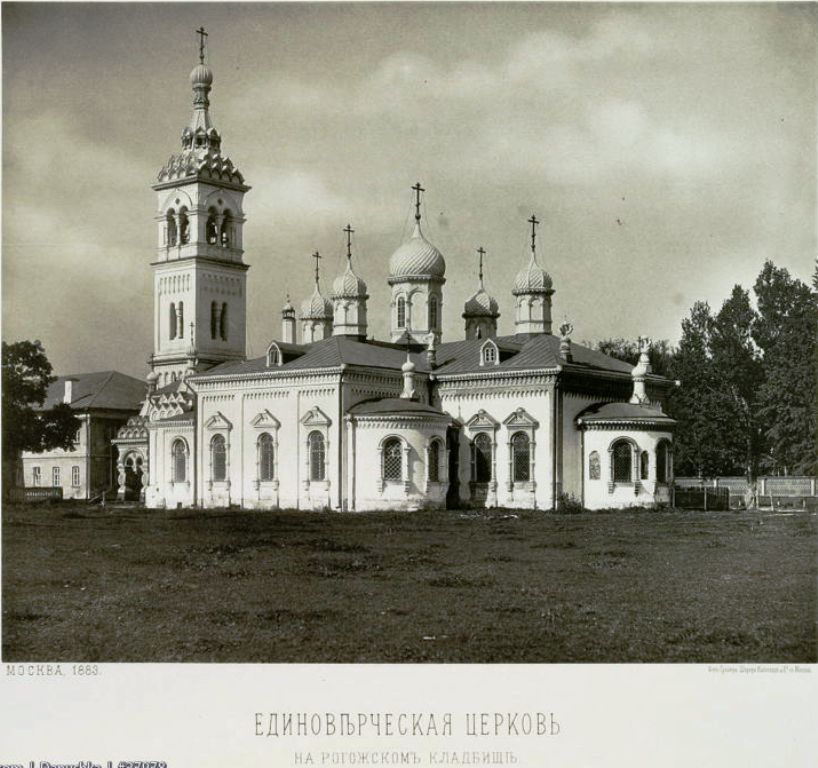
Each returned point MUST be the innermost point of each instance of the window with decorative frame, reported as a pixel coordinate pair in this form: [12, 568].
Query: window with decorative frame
[266, 457]
[435, 449]
[433, 313]
[179, 459]
[481, 458]
[317, 452]
[622, 456]
[401, 312]
[392, 460]
[218, 458]
[521, 457]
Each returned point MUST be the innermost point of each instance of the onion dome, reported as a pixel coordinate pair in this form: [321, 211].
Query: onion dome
[481, 304]
[152, 377]
[532, 279]
[416, 258]
[288, 308]
[348, 285]
[201, 75]
[317, 307]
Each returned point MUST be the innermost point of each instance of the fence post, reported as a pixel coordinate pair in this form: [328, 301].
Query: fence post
[705, 498]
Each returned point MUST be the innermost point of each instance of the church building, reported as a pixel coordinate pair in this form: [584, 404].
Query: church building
[330, 418]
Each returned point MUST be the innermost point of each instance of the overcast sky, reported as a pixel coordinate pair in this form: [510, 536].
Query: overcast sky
[668, 149]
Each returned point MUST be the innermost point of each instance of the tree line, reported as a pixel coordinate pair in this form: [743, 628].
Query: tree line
[746, 401]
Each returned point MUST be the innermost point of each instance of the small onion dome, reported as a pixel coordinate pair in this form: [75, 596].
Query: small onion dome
[532, 279]
[417, 257]
[408, 366]
[348, 285]
[481, 305]
[288, 308]
[152, 377]
[316, 307]
[201, 75]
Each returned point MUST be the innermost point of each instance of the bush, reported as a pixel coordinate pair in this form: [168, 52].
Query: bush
[568, 504]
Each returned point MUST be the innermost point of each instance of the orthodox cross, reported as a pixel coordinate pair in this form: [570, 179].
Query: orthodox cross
[418, 189]
[533, 222]
[202, 35]
[317, 257]
[482, 252]
[349, 230]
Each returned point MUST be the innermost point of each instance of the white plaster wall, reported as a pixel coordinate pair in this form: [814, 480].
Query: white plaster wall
[597, 493]
[162, 492]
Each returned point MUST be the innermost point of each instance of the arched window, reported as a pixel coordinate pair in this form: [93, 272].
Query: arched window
[226, 229]
[663, 462]
[489, 352]
[401, 312]
[433, 313]
[214, 319]
[521, 457]
[434, 462]
[622, 458]
[171, 227]
[211, 228]
[180, 316]
[218, 459]
[184, 226]
[266, 458]
[172, 323]
[179, 454]
[481, 459]
[317, 456]
[391, 460]
[594, 472]
[643, 466]
[223, 322]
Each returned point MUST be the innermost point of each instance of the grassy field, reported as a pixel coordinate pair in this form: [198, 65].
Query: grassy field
[81, 584]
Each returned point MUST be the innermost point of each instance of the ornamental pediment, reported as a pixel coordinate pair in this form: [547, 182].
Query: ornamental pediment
[265, 420]
[218, 421]
[482, 420]
[315, 417]
[520, 418]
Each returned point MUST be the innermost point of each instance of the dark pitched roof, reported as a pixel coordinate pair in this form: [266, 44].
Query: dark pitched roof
[330, 353]
[632, 412]
[524, 353]
[395, 405]
[104, 390]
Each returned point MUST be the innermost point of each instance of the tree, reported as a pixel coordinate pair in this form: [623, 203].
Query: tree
[785, 331]
[660, 354]
[26, 425]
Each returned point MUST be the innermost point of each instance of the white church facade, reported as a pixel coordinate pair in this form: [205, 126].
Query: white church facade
[332, 419]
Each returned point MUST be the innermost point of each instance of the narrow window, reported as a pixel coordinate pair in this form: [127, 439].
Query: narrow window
[55, 477]
[36, 476]
[622, 462]
[75, 476]
[218, 459]
[593, 466]
[184, 227]
[392, 461]
[643, 466]
[211, 231]
[434, 462]
[223, 322]
[226, 229]
[179, 462]
[481, 458]
[180, 317]
[521, 457]
[401, 312]
[214, 319]
[172, 321]
[171, 227]
[317, 453]
[433, 313]
[266, 458]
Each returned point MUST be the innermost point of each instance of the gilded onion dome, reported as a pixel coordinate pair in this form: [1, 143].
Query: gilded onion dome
[416, 258]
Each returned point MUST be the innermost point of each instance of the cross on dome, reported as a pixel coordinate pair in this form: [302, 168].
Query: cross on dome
[418, 189]
[534, 224]
[202, 35]
[349, 230]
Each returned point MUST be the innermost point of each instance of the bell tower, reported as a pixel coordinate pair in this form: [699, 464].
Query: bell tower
[200, 278]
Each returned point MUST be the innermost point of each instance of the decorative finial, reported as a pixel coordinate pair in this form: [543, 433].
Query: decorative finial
[482, 252]
[418, 189]
[317, 257]
[566, 329]
[202, 35]
[533, 222]
[349, 230]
